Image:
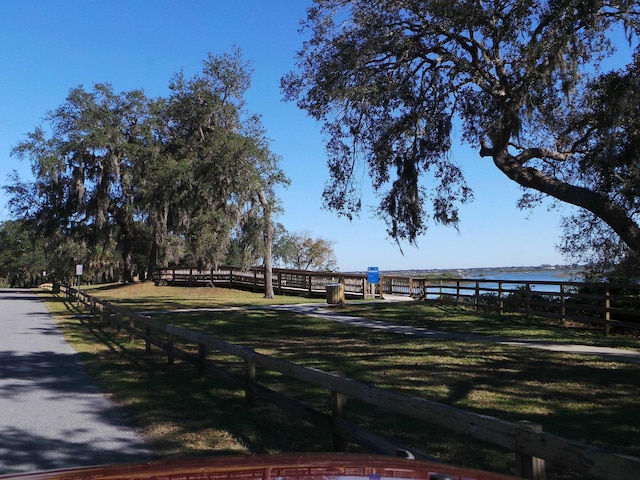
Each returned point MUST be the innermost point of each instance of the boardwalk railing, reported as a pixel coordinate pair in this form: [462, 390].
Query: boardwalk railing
[530, 444]
[291, 282]
[602, 304]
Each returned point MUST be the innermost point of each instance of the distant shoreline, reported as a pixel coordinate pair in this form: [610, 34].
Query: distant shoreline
[459, 271]
[548, 273]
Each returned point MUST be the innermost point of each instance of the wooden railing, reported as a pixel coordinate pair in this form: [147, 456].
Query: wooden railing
[532, 446]
[602, 304]
[292, 282]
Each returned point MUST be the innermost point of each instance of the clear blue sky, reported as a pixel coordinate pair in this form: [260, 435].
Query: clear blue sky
[48, 47]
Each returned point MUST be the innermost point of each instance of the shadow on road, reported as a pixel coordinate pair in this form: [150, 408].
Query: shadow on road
[22, 451]
[52, 414]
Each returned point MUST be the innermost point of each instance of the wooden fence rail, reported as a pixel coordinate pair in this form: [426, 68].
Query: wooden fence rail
[292, 282]
[603, 304]
[530, 444]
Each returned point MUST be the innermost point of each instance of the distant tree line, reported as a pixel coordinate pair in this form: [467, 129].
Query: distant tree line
[123, 183]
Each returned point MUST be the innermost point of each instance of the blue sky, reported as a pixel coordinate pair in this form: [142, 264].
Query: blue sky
[48, 47]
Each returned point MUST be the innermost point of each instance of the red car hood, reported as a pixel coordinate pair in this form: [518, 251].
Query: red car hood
[270, 467]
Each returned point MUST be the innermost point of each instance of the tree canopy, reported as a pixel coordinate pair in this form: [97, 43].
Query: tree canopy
[299, 250]
[23, 262]
[137, 182]
[523, 81]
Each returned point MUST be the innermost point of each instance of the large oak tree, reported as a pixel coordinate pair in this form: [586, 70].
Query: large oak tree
[392, 79]
[84, 172]
[169, 178]
[225, 170]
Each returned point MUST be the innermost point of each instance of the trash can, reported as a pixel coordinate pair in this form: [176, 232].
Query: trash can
[335, 294]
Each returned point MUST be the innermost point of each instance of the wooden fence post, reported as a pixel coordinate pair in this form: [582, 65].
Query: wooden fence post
[338, 411]
[500, 299]
[563, 306]
[170, 357]
[607, 311]
[529, 467]
[476, 297]
[105, 318]
[202, 359]
[100, 313]
[131, 326]
[147, 343]
[249, 381]
[457, 291]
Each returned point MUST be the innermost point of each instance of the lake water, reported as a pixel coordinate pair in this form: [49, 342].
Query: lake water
[535, 275]
[512, 279]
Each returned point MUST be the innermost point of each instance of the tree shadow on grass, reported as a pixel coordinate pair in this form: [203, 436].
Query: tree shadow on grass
[412, 365]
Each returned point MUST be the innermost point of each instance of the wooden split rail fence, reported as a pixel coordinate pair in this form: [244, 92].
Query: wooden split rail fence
[532, 446]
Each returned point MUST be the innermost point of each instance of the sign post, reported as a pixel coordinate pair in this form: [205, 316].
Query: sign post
[373, 278]
[79, 269]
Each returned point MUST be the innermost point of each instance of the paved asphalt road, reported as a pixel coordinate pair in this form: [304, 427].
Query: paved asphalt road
[51, 413]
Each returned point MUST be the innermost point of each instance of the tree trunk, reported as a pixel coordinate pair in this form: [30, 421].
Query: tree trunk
[124, 218]
[601, 206]
[127, 260]
[158, 218]
[268, 264]
[153, 259]
[268, 245]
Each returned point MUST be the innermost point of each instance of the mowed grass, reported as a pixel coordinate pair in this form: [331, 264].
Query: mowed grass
[454, 318]
[147, 296]
[582, 398]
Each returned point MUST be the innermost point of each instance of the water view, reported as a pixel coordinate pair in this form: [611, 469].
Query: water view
[543, 279]
[559, 274]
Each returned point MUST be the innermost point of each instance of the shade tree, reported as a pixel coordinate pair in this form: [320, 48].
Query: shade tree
[84, 171]
[397, 84]
[167, 179]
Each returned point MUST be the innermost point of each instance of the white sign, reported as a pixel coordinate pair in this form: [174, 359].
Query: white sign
[78, 269]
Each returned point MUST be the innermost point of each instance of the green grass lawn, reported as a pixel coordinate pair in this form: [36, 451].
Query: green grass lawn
[147, 296]
[453, 318]
[582, 398]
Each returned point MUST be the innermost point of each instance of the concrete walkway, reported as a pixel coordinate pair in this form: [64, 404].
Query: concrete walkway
[51, 413]
[325, 312]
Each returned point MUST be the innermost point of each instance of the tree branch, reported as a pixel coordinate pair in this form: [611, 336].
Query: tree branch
[616, 216]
